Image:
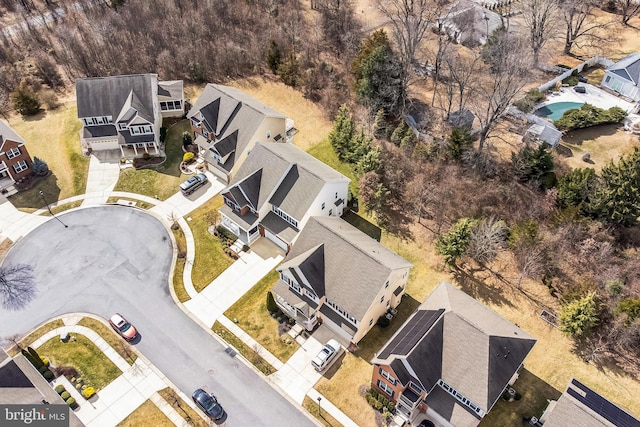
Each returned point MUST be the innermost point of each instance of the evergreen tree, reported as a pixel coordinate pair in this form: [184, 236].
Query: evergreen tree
[289, 71]
[617, 197]
[579, 316]
[400, 132]
[369, 162]
[532, 164]
[274, 57]
[454, 243]
[459, 141]
[342, 132]
[576, 187]
[271, 303]
[25, 100]
[380, 125]
[39, 166]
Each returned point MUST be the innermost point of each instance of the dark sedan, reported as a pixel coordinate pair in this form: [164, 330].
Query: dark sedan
[208, 403]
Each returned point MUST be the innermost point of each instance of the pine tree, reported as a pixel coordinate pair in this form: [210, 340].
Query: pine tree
[576, 187]
[342, 132]
[455, 242]
[380, 125]
[271, 303]
[25, 100]
[39, 167]
[274, 57]
[579, 316]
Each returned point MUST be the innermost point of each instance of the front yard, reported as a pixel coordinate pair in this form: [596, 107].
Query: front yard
[147, 414]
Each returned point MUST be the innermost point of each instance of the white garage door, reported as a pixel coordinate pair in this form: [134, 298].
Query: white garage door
[275, 239]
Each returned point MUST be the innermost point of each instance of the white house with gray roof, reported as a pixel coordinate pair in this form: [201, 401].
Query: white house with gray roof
[226, 124]
[124, 112]
[451, 360]
[275, 192]
[624, 77]
[340, 276]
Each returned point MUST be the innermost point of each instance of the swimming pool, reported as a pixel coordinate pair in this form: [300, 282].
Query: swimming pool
[556, 110]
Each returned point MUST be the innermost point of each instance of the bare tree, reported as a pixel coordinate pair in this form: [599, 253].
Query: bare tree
[488, 238]
[17, 286]
[628, 8]
[582, 26]
[460, 73]
[530, 261]
[541, 18]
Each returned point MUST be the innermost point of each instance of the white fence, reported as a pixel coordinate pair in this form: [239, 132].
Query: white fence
[596, 60]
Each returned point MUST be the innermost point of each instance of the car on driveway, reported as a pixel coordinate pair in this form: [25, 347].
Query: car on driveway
[580, 89]
[326, 355]
[208, 403]
[125, 329]
[193, 183]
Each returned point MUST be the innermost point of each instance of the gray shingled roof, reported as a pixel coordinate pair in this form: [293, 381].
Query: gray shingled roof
[8, 134]
[471, 347]
[171, 89]
[355, 265]
[628, 68]
[449, 408]
[106, 96]
[291, 179]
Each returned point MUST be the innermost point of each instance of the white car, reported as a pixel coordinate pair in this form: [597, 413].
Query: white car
[326, 355]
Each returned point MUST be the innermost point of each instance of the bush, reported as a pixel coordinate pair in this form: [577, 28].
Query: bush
[88, 392]
[50, 99]
[65, 395]
[48, 375]
[35, 358]
[186, 138]
[163, 133]
[271, 303]
[25, 101]
[72, 403]
[588, 115]
[391, 407]
[59, 389]
[42, 369]
[39, 166]
[383, 322]
[227, 234]
[188, 157]
[527, 103]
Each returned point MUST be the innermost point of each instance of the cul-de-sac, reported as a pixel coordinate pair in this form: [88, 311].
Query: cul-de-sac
[374, 213]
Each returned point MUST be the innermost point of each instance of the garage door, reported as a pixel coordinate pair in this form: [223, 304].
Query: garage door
[275, 239]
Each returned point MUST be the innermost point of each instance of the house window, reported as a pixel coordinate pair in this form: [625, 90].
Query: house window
[606, 80]
[388, 303]
[268, 134]
[285, 216]
[323, 206]
[415, 388]
[293, 285]
[14, 152]
[122, 126]
[386, 284]
[20, 166]
[384, 374]
[386, 388]
[382, 299]
[371, 322]
[336, 194]
[330, 212]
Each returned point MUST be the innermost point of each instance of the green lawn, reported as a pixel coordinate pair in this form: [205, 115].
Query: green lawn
[210, 259]
[30, 338]
[54, 137]
[163, 180]
[113, 339]
[186, 411]
[178, 283]
[323, 416]
[254, 319]
[147, 414]
[94, 367]
[324, 152]
[250, 354]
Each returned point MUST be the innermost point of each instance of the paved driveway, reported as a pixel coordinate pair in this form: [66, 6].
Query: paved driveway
[115, 258]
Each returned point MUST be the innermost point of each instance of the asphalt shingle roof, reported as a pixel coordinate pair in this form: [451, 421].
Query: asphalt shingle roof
[628, 68]
[8, 134]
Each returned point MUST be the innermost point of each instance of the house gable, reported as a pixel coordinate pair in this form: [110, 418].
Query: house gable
[628, 68]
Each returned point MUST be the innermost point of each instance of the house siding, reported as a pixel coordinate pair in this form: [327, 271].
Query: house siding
[622, 86]
[24, 155]
[397, 387]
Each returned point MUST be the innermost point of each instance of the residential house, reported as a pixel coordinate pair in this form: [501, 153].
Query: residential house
[124, 112]
[275, 192]
[451, 360]
[583, 407]
[624, 77]
[226, 124]
[15, 161]
[469, 23]
[340, 276]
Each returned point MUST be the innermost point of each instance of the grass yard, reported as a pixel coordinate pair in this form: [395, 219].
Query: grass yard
[31, 337]
[254, 319]
[94, 367]
[323, 416]
[64, 207]
[178, 283]
[210, 259]
[535, 393]
[139, 203]
[324, 152]
[604, 143]
[187, 412]
[147, 414]
[163, 180]
[118, 344]
[250, 354]
[54, 137]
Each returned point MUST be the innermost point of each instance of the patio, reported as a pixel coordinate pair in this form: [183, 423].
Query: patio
[593, 95]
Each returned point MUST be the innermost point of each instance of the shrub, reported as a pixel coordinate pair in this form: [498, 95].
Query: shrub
[271, 303]
[227, 234]
[65, 395]
[588, 115]
[383, 322]
[163, 133]
[391, 406]
[72, 403]
[631, 307]
[377, 404]
[527, 103]
[48, 375]
[42, 369]
[36, 357]
[374, 393]
[59, 389]
[88, 392]
[188, 157]
[146, 156]
[186, 138]
[39, 166]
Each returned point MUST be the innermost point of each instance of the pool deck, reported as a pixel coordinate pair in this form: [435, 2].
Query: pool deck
[594, 96]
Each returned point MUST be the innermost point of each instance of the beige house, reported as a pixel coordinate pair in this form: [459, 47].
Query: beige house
[338, 275]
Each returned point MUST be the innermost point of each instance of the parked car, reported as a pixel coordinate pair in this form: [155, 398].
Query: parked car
[326, 355]
[582, 79]
[193, 183]
[580, 89]
[208, 403]
[125, 329]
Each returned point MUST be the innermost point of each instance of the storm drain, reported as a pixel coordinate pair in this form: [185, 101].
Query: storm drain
[230, 351]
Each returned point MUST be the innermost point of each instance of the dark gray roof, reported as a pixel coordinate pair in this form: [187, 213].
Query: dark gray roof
[299, 301]
[355, 265]
[470, 347]
[291, 179]
[246, 221]
[581, 406]
[125, 137]
[329, 313]
[628, 68]
[8, 134]
[228, 144]
[311, 265]
[279, 227]
[106, 96]
[173, 89]
[448, 407]
[99, 131]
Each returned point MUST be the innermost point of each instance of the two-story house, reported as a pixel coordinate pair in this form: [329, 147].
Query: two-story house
[451, 360]
[340, 276]
[276, 190]
[624, 77]
[124, 112]
[15, 162]
[226, 123]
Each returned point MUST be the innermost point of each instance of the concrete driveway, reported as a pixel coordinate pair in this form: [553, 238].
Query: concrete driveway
[116, 258]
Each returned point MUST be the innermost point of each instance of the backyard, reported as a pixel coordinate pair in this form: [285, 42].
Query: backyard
[604, 143]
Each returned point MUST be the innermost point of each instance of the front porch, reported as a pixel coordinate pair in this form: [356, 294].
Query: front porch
[245, 236]
[131, 151]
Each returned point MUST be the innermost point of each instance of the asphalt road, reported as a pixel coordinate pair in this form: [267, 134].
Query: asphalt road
[117, 259]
